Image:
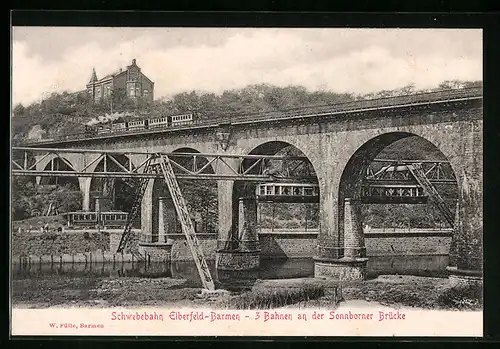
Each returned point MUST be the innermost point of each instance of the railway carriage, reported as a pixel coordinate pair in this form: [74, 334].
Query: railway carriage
[184, 119]
[158, 123]
[288, 192]
[137, 125]
[81, 219]
[112, 219]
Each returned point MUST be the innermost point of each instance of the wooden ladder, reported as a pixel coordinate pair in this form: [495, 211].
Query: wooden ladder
[186, 223]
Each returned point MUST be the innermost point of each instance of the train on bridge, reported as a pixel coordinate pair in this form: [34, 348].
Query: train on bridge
[208, 118]
[148, 124]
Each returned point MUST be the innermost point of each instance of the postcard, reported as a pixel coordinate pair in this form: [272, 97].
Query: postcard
[196, 181]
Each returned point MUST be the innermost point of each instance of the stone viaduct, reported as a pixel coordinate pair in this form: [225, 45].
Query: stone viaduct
[339, 146]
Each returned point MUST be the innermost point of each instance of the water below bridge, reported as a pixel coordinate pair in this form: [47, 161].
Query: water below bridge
[422, 265]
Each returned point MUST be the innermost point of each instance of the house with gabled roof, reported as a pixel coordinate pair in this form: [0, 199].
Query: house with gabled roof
[131, 80]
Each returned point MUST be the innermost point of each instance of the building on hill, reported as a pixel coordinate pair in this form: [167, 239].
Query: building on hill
[131, 81]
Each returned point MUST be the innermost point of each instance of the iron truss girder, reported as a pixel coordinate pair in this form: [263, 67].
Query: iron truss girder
[383, 171]
[195, 166]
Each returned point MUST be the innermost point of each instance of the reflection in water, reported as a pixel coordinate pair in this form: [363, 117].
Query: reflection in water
[269, 269]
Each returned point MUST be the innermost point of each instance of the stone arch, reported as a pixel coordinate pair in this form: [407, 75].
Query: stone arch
[57, 163]
[349, 182]
[274, 146]
[43, 163]
[243, 189]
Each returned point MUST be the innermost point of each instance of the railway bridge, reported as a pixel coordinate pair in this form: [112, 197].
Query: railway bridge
[341, 143]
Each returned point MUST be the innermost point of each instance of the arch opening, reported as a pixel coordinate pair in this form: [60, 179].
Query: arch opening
[200, 197]
[59, 194]
[24, 203]
[398, 215]
[282, 206]
[57, 164]
[115, 194]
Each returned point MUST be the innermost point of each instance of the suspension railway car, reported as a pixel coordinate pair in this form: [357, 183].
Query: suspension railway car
[80, 219]
[288, 192]
[149, 124]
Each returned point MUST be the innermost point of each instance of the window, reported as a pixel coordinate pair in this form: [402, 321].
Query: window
[145, 93]
[262, 190]
[132, 91]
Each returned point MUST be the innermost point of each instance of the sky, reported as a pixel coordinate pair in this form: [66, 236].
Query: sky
[57, 59]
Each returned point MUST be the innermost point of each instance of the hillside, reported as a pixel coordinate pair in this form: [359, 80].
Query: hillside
[69, 113]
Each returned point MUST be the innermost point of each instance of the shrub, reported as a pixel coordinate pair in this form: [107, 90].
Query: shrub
[462, 297]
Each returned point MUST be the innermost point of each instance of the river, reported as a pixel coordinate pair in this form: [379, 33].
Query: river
[432, 265]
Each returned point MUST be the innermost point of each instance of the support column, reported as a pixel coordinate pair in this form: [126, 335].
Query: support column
[329, 245]
[85, 188]
[162, 232]
[240, 262]
[167, 221]
[468, 235]
[226, 213]
[468, 227]
[354, 241]
[247, 224]
[161, 250]
[147, 213]
[353, 265]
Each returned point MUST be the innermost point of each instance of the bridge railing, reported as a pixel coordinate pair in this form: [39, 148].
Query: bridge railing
[308, 111]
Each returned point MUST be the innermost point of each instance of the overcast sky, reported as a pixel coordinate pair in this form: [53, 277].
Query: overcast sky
[48, 59]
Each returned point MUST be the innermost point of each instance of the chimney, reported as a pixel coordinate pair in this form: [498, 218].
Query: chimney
[133, 61]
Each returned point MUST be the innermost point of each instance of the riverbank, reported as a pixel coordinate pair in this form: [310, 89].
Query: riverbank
[395, 291]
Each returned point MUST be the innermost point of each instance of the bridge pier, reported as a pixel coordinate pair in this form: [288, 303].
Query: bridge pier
[85, 188]
[167, 219]
[154, 244]
[239, 262]
[352, 266]
[468, 235]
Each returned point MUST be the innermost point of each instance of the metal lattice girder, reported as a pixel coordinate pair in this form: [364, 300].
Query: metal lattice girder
[186, 165]
[398, 171]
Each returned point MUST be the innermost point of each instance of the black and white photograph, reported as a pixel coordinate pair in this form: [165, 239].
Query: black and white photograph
[210, 181]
